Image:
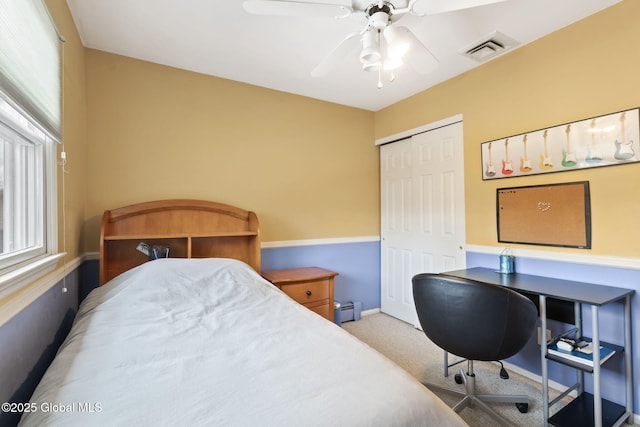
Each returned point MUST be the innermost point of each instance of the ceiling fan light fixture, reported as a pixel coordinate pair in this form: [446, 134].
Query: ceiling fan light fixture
[373, 66]
[370, 56]
[397, 42]
[370, 53]
[391, 63]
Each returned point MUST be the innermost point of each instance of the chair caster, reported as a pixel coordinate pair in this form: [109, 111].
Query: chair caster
[458, 378]
[522, 407]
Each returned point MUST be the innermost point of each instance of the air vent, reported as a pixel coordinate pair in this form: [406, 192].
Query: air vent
[489, 47]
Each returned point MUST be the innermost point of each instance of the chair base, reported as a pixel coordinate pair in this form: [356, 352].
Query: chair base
[471, 398]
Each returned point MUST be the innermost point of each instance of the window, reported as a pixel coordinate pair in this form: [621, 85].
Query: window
[27, 198]
[22, 171]
[30, 128]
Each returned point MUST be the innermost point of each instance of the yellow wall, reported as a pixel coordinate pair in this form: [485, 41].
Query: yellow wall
[308, 168]
[588, 69]
[72, 218]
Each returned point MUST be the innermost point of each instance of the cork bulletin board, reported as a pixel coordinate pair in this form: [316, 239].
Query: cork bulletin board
[550, 215]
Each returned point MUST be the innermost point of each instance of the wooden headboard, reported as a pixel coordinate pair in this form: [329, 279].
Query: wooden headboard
[190, 228]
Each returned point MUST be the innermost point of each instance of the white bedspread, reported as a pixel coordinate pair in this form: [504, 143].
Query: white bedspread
[208, 342]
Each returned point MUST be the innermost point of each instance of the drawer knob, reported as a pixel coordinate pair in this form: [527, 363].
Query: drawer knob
[308, 293]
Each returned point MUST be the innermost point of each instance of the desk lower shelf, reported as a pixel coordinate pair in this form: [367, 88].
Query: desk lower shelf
[580, 413]
[617, 349]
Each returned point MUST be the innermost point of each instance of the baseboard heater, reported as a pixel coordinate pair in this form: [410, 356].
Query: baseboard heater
[350, 311]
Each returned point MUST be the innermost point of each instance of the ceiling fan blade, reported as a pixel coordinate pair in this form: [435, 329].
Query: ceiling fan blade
[431, 7]
[350, 44]
[418, 56]
[294, 8]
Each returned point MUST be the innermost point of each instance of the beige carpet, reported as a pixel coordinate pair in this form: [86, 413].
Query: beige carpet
[412, 350]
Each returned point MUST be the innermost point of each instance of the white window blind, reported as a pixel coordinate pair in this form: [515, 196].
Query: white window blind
[30, 58]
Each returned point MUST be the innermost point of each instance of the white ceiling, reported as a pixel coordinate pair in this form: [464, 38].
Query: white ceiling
[219, 38]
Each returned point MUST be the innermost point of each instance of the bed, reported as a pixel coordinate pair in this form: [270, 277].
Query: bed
[204, 340]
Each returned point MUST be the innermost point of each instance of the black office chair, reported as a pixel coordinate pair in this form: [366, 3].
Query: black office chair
[476, 321]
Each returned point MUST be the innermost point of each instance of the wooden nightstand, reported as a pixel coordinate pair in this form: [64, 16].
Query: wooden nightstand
[310, 286]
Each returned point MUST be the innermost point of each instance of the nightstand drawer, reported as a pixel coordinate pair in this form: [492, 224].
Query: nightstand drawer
[307, 292]
[325, 310]
[309, 286]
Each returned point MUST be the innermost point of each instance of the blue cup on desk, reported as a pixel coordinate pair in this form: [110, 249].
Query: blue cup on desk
[506, 264]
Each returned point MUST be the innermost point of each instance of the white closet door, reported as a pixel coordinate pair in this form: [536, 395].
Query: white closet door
[422, 202]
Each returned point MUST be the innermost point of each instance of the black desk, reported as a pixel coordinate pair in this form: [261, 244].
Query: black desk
[580, 411]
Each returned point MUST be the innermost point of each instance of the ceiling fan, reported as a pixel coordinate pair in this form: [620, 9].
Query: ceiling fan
[384, 46]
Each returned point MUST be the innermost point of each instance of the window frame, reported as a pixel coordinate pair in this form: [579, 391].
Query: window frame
[22, 267]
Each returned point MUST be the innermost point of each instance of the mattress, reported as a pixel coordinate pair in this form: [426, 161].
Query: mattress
[209, 342]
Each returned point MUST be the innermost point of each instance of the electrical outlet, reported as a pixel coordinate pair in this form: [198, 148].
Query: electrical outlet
[548, 335]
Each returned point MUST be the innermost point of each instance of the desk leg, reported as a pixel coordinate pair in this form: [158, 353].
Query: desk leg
[597, 396]
[577, 307]
[628, 363]
[543, 360]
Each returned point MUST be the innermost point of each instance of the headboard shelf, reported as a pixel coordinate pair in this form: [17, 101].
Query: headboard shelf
[180, 236]
[190, 228]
